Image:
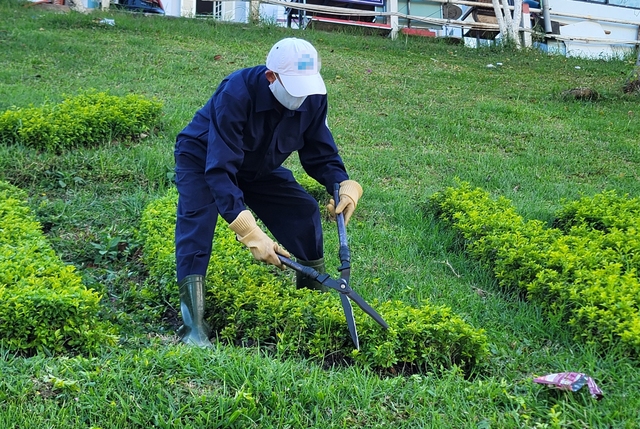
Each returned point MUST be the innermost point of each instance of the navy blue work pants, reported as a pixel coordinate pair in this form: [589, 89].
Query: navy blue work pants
[285, 208]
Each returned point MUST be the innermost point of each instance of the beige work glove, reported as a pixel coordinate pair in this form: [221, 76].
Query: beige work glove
[349, 193]
[263, 248]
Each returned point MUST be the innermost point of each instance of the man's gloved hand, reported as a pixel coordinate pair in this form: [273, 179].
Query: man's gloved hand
[350, 192]
[263, 248]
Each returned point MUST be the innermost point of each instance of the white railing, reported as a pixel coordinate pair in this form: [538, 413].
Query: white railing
[465, 25]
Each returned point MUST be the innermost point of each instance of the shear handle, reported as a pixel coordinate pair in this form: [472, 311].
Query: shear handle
[344, 253]
[323, 279]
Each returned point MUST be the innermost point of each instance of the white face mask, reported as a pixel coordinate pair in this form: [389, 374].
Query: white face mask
[286, 99]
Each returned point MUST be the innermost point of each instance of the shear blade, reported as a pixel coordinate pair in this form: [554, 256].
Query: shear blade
[351, 322]
[368, 309]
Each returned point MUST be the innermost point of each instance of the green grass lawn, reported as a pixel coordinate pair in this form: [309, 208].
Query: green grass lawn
[411, 116]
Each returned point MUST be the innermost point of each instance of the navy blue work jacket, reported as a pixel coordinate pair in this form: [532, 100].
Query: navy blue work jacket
[244, 133]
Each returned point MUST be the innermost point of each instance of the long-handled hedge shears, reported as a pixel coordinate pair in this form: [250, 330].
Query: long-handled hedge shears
[341, 284]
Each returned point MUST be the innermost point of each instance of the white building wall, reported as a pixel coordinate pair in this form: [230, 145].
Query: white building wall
[235, 11]
[187, 8]
[171, 7]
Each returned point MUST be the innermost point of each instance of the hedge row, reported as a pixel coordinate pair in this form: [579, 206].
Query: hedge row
[585, 269]
[43, 304]
[87, 119]
[252, 304]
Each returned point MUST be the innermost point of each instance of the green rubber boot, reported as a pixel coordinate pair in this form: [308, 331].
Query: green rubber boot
[303, 281]
[194, 331]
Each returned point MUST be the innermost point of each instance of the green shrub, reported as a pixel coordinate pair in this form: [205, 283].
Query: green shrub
[250, 303]
[84, 120]
[586, 272]
[43, 303]
[604, 212]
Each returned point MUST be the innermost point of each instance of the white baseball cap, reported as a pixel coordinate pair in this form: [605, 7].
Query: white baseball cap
[296, 62]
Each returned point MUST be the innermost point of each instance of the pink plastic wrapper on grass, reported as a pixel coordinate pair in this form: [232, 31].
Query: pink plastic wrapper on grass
[572, 381]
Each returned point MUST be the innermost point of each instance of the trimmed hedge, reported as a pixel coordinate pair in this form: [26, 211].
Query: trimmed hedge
[585, 271]
[43, 304]
[87, 119]
[249, 303]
